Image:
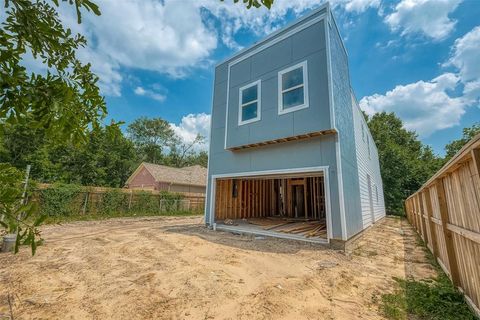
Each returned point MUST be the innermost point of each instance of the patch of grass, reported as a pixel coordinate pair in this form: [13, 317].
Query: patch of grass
[93, 217]
[426, 299]
[429, 299]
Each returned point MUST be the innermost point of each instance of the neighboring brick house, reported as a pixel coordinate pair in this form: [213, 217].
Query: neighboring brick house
[149, 176]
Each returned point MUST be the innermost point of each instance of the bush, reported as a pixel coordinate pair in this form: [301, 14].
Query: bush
[65, 202]
[112, 202]
[61, 200]
[145, 202]
[170, 201]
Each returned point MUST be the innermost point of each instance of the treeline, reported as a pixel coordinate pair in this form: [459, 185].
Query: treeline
[106, 157]
[405, 162]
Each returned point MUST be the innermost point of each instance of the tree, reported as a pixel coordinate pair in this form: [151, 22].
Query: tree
[65, 100]
[256, 3]
[14, 212]
[454, 146]
[105, 158]
[405, 163]
[151, 137]
[183, 154]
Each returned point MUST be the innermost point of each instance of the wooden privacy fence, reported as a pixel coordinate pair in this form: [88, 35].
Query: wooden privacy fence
[446, 214]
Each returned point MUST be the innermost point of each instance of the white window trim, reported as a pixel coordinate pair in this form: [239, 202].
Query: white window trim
[257, 83]
[304, 85]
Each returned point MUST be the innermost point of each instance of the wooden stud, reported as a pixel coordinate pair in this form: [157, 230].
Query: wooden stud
[305, 202]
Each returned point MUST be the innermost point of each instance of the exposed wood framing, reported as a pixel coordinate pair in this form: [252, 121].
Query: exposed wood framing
[259, 198]
[282, 140]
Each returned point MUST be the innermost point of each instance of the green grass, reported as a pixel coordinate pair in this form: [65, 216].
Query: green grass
[104, 216]
[426, 299]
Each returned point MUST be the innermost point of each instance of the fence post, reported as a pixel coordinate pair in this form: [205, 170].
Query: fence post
[422, 216]
[431, 225]
[476, 160]
[130, 200]
[452, 259]
[419, 217]
[85, 203]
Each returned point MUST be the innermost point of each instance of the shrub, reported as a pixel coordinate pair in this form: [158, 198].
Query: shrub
[145, 202]
[61, 200]
[112, 202]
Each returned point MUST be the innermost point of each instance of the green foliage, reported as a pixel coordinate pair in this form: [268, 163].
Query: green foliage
[65, 99]
[426, 299]
[151, 137]
[182, 154]
[256, 3]
[454, 146]
[16, 217]
[70, 201]
[106, 158]
[60, 200]
[405, 162]
[113, 201]
[146, 202]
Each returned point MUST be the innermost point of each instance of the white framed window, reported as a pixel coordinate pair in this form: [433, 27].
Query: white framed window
[293, 88]
[249, 105]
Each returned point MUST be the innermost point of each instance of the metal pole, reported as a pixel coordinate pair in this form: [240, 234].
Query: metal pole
[27, 175]
[85, 203]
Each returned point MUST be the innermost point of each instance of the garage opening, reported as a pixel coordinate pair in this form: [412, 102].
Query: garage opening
[286, 206]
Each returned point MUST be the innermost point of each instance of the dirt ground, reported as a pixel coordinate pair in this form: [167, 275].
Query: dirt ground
[175, 268]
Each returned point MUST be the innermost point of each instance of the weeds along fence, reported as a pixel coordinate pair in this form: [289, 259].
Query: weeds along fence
[67, 200]
[446, 214]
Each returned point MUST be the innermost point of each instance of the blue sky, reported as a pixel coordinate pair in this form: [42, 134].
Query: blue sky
[418, 58]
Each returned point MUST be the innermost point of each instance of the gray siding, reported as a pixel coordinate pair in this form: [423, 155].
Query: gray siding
[368, 164]
[264, 65]
[344, 125]
[314, 40]
[307, 45]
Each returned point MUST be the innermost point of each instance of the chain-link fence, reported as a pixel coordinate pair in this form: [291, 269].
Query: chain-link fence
[74, 200]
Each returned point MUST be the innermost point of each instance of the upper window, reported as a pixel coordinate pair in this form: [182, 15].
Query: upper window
[293, 88]
[249, 103]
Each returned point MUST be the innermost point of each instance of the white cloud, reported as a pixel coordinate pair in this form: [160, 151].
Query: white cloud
[360, 5]
[168, 37]
[424, 106]
[465, 58]
[234, 18]
[174, 37]
[428, 106]
[465, 55]
[192, 125]
[140, 91]
[428, 17]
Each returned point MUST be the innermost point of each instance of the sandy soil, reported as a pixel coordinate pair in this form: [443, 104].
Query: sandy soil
[174, 268]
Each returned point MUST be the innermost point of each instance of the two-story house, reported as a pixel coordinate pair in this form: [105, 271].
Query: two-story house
[290, 152]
